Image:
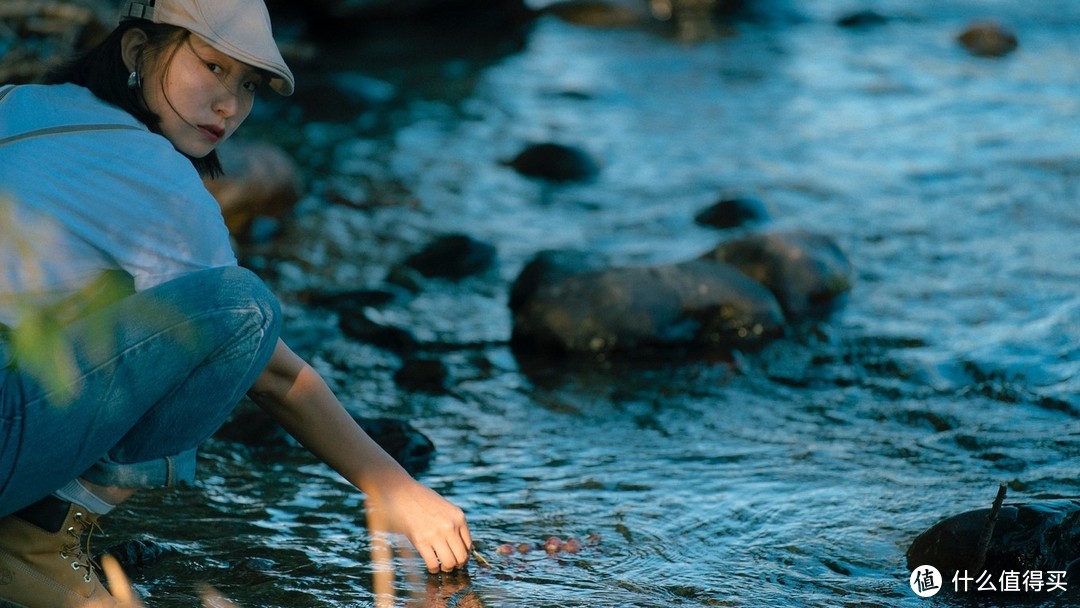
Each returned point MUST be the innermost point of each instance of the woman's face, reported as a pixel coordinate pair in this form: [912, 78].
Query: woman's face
[200, 94]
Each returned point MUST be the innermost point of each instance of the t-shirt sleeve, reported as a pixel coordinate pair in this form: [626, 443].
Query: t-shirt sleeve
[132, 197]
[162, 222]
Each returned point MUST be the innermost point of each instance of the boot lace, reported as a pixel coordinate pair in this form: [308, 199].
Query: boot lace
[76, 550]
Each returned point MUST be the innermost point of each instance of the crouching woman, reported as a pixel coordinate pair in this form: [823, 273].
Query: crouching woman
[127, 330]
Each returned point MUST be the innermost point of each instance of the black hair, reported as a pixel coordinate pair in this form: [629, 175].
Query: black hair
[102, 70]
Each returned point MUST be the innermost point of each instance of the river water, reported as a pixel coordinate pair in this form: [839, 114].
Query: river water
[794, 476]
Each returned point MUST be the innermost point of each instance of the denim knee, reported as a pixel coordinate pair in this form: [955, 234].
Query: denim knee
[247, 285]
[160, 450]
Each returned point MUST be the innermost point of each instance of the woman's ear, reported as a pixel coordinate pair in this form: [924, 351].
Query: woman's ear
[131, 48]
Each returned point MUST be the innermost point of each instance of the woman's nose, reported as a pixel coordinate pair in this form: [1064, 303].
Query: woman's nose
[226, 103]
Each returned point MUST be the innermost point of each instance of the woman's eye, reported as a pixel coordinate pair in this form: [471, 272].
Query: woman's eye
[251, 86]
[215, 68]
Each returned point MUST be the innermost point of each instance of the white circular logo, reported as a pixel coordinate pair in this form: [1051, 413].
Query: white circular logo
[925, 581]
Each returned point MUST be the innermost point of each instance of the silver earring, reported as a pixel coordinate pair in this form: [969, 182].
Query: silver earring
[134, 81]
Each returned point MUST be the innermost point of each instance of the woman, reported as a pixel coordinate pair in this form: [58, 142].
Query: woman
[127, 331]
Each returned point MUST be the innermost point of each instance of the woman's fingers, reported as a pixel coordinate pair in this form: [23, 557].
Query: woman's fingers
[431, 559]
[453, 555]
[445, 556]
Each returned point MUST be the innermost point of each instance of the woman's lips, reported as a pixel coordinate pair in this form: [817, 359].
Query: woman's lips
[212, 132]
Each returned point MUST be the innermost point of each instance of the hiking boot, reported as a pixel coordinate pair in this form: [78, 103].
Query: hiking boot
[43, 561]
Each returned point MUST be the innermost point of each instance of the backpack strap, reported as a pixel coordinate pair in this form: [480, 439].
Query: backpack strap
[65, 129]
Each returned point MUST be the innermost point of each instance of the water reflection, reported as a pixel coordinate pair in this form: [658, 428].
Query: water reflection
[440, 590]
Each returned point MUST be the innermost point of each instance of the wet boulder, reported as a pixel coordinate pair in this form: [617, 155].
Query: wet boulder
[733, 212]
[808, 273]
[358, 325]
[697, 304]
[261, 181]
[453, 256]
[555, 162]
[423, 375]
[1038, 536]
[988, 39]
[548, 268]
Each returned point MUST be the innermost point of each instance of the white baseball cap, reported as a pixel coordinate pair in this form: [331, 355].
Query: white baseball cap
[238, 28]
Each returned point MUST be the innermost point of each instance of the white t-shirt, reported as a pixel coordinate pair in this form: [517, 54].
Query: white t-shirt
[86, 188]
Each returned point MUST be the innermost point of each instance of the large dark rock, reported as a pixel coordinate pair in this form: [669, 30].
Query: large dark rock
[809, 273]
[695, 304]
[1039, 536]
[548, 268]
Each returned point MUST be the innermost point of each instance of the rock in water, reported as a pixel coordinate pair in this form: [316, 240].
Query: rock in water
[260, 181]
[411, 448]
[988, 39]
[453, 256]
[555, 162]
[134, 554]
[809, 273]
[1039, 536]
[251, 426]
[732, 213]
[695, 304]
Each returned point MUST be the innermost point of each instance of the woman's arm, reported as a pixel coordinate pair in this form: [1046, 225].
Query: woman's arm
[294, 394]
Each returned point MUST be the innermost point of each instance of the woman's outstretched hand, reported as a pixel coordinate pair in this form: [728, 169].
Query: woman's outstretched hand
[298, 398]
[434, 525]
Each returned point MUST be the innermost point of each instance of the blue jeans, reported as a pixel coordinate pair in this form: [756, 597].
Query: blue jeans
[155, 374]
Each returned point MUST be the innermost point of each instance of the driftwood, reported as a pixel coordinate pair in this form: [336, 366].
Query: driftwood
[988, 529]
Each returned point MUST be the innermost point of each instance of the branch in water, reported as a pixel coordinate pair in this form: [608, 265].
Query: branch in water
[988, 529]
